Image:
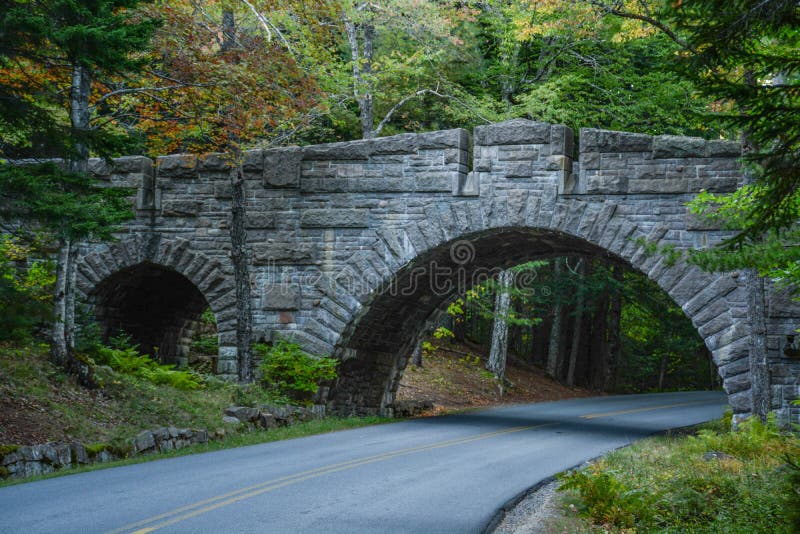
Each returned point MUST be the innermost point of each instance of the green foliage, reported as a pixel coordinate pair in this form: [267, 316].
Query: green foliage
[288, 370]
[67, 204]
[745, 54]
[774, 254]
[428, 348]
[607, 500]
[206, 344]
[25, 289]
[125, 358]
[441, 333]
[664, 484]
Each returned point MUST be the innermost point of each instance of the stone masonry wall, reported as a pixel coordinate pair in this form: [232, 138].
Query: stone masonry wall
[332, 227]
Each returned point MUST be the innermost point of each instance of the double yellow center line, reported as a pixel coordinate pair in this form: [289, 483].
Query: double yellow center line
[201, 507]
[186, 512]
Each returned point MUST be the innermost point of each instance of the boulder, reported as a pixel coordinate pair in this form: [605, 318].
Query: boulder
[267, 421]
[199, 436]
[230, 420]
[144, 442]
[243, 413]
[57, 454]
[78, 453]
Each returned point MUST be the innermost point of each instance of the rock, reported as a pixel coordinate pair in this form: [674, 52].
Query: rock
[200, 436]
[243, 413]
[283, 414]
[717, 455]
[161, 434]
[219, 433]
[32, 453]
[78, 453]
[104, 456]
[12, 457]
[57, 454]
[230, 420]
[144, 442]
[173, 432]
[411, 408]
[267, 421]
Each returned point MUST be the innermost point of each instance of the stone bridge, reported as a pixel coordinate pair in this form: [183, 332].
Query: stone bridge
[353, 246]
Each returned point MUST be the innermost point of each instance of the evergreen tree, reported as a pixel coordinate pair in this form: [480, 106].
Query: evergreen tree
[49, 49]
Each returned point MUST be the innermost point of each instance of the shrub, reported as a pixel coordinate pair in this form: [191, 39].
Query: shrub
[670, 484]
[288, 371]
[124, 358]
[606, 499]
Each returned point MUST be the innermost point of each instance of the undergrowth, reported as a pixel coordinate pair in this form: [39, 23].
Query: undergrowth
[749, 483]
[287, 371]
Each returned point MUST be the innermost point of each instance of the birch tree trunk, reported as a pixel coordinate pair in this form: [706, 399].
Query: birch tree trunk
[554, 347]
[58, 338]
[614, 334]
[499, 348]
[241, 274]
[69, 296]
[362, 73]
[63, 335]
[576, 333]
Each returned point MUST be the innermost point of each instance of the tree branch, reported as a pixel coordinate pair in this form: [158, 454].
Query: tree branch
[266, 24]
[418, 94]
[643, 18]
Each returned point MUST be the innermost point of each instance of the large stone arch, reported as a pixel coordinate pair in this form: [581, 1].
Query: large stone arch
[126, 265]
[363, 302]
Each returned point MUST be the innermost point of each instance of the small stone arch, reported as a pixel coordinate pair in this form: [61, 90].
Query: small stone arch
[363, 300]
[117, 271]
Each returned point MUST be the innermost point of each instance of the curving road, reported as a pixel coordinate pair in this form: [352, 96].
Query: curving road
[444, 474]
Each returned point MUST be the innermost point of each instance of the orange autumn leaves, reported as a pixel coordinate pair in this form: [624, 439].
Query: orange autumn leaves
[231, 87]
[198, 93]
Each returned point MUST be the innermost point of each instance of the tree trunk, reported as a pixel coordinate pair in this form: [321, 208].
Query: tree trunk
[58, 338]
[554, 347]
[662, 371]
[759, 370]
[362, 73]
[499, 349]
[599, 347]
[63, 334]
[756, 310]
[69, 296]
[241, 274]
[614, 334]
[576, 332]
[80, 115]
[416, 355]
[228, 30]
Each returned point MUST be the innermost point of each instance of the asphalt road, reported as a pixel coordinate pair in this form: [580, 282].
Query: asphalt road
[444, 474]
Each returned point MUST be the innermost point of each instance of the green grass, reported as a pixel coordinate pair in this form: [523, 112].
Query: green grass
[663, 484]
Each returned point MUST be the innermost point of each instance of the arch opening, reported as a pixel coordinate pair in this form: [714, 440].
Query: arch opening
[156, 306]
[376, 344]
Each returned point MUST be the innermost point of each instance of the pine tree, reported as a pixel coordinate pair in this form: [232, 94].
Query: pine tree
[48, 46]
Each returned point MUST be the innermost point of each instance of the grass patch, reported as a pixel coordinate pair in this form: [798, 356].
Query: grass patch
[39, 403]
[716, 481]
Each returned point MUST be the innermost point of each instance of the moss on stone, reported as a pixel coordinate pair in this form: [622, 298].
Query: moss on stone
[8, 449]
